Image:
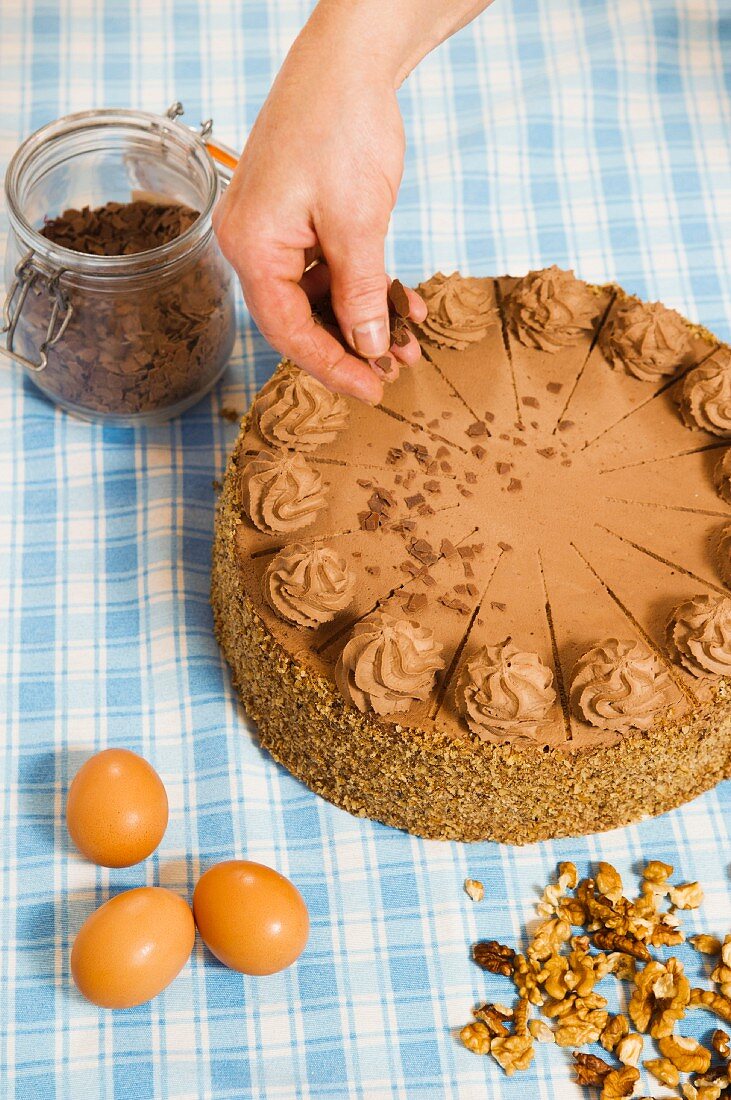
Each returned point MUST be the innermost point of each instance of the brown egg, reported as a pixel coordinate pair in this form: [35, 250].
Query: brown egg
[132, 947]
[252, 918]
[117, 808]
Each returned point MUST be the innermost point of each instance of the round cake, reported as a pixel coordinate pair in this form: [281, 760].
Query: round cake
[494, 606]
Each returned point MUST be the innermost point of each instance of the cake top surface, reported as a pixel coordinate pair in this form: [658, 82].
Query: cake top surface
[526, 541]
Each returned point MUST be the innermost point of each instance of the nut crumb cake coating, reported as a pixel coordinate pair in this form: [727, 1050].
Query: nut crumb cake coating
[496, 606]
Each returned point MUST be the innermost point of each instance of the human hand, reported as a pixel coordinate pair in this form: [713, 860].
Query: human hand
[318, 179]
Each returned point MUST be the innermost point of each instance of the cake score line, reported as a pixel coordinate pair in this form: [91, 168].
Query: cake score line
[690, 696]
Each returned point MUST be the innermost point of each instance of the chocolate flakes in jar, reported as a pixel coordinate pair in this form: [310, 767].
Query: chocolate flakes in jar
[153, 338]
[119, 228]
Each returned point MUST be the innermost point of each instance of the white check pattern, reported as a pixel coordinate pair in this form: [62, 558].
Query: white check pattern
[591, 133]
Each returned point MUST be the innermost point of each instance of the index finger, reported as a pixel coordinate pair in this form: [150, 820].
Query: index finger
[282, 312]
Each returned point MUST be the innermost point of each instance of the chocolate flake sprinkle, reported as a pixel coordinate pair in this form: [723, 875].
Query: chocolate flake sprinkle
[454, 604]
[423, 552]
[477, 428]
[398, 298]
[415, 602]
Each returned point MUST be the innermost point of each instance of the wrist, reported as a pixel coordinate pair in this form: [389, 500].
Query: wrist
[383, 39]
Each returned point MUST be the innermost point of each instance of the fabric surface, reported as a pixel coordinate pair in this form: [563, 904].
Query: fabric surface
[589, 133]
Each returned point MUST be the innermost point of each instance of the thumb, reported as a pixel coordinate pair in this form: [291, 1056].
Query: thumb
[358, 289]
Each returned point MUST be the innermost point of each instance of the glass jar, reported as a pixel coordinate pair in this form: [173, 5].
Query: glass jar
[130, 338]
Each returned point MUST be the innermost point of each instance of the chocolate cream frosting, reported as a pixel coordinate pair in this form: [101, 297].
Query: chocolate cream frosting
[295, 410]
[722, 476]
[388, 664]
[705, 402]
[700, 632]
[503, 690]
[280, 491]
[550, 309]
[308, 585]
[620, 685]
[646, 339]
[460, 310]
[491, 481]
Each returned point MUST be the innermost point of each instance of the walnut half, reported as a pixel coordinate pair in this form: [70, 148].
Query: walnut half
[495, 957]
[685, 1053]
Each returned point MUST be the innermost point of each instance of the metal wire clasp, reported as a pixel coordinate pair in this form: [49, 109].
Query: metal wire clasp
[27, 275]
[224, 157]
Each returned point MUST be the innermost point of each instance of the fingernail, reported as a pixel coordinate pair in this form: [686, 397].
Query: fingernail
[371, 338]
[419, 311]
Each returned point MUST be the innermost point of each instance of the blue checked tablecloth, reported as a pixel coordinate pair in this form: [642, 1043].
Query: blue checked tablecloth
[591, 133]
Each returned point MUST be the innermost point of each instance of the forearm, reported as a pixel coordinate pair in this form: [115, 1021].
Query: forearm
[390, 36]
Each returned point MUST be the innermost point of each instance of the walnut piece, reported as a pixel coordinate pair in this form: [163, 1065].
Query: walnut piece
[629, 1049]
[581, 1024]
[528, 979]
[541, 1032]
[707, 945]
[495, 957]
[663, 1071]
[660, 997]
[702, 1090]
[656, 871]
[548, 938]
[616, 1028]
[726, 950]
[714, 1002]
[624, 967]
[476, 1038]
[688, 895]
[721, 1043]
[554, 891]
[553, 976]
[474, 888]
[493, 1018]
[590, 1070]
[628, 945]
[721, 974]
[609, 882]
[513, 1053]
[520, 1017]
[572, 910]
[567, 875]
[619, 1083]
[685, 1053]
